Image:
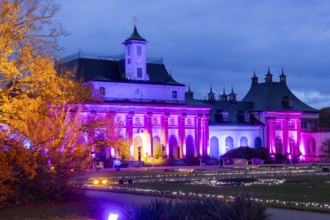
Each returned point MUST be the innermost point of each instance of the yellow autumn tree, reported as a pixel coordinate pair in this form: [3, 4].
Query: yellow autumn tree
[45, 137]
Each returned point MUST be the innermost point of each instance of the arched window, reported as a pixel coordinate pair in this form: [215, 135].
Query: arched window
[173, 143]
[311, 146]
[257, 142]
[157, 150]
[244, 142]
[279, 145]
[137, 148]
[214, 147]
[229, 143]
[190, 147]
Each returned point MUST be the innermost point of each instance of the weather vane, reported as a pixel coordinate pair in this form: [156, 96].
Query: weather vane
[134, 20]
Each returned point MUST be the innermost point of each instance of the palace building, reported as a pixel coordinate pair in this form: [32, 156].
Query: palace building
[157, 113]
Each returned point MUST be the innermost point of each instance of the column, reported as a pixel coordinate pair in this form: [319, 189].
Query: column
[129, 129]
[164, 124]
[198, 134]
[298, 151]
[271, 144]
[182, 135]
[286, 144]
[205, 134]
[148, 127]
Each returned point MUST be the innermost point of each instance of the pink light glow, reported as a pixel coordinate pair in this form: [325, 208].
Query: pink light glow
[302, 150]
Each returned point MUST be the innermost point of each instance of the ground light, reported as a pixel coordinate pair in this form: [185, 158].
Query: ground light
[113, 216]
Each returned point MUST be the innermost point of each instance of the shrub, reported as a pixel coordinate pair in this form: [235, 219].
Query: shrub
[247, 153]
[242, 208]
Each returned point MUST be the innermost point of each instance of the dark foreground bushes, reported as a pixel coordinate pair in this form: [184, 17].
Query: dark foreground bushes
[242, 208]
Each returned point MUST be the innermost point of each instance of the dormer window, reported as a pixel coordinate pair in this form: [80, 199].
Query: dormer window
[174, 94]
[102, 91]
[288, 101]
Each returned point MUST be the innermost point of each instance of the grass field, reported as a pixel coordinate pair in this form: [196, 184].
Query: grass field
[301, 188]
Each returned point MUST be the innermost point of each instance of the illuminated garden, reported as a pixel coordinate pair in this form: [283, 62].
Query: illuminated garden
[303, 187]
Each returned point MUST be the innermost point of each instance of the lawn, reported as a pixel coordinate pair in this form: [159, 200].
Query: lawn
[289, 187]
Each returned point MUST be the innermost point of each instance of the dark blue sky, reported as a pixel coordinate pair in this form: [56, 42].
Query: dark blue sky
[218, 42]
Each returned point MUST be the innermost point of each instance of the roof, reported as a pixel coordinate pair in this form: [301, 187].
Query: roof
[135, 36]
[275, 96]
[235, 112]
[94, 69]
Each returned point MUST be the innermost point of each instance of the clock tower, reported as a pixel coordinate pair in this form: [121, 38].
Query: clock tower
[135, 57]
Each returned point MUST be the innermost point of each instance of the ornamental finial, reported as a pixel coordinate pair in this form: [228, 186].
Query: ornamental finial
[134, 20]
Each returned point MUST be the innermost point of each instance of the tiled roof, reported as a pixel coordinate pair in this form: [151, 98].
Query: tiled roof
[113, 70]
[275, 96]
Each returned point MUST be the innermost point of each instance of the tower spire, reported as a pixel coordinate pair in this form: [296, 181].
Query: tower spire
[282, 77]
[134, 20]
[254, 78]
[269, 76]
[211, 95]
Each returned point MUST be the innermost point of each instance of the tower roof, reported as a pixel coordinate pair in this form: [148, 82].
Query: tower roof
[135, 36]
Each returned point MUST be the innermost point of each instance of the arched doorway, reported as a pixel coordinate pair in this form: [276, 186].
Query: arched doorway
[257, 142]
[279, 146]
[190, 147]
[137, 148]
[214, 147]
[244, 142]
[157, 148]
[311, 146]
[172, 144]
[229, 143]
[293, 149]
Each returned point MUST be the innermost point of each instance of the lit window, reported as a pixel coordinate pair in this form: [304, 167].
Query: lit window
[139, 72]
[139, 50]
[102, 91]
[174, 94]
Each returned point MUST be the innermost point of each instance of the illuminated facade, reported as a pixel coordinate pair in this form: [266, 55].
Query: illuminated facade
[156, 113]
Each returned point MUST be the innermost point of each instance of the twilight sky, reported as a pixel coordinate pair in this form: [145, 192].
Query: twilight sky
[218, 42]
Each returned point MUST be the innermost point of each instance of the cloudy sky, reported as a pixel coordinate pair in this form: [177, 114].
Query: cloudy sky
[218, 42]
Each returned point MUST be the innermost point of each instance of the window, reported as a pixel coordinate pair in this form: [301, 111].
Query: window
[246, 117]
[174, 94]
[128, 51]
[139, 73]
[102, 91]
[128, 61]
[139, 50]
[278, 125]
[291, 125]
[225, 116]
